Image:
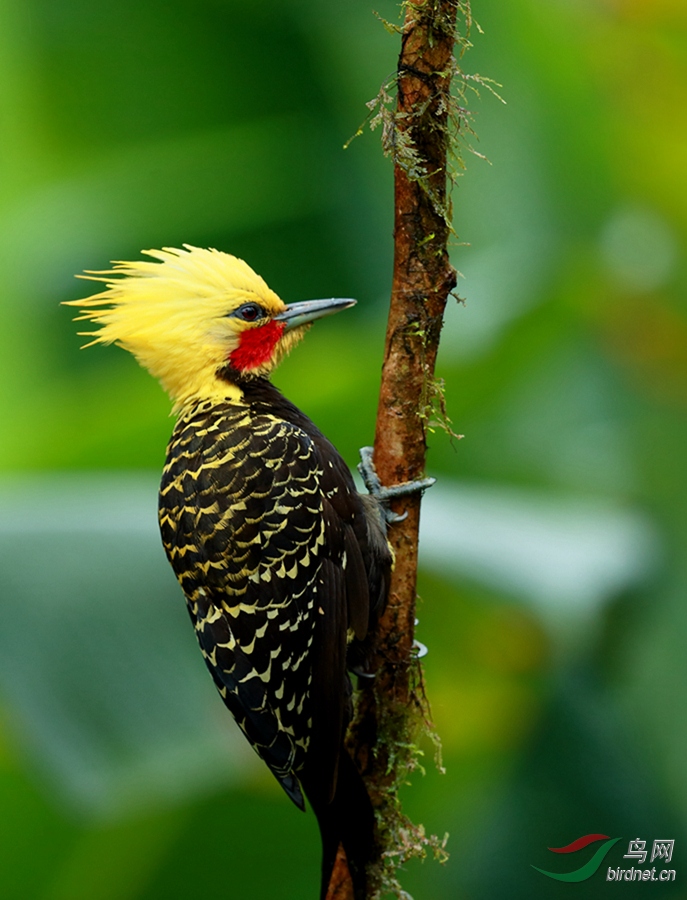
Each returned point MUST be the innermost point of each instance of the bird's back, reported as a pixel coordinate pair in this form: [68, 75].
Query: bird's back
[283, 569]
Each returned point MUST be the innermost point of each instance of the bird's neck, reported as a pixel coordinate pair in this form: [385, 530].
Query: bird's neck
[204, 385]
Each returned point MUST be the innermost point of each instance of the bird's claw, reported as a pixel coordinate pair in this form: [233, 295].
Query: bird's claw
[384, 495]
[368, 473]
[419, 650]
[363, 676]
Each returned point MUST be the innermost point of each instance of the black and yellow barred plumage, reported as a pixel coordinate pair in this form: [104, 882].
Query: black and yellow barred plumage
[283, 563]
[265, 530]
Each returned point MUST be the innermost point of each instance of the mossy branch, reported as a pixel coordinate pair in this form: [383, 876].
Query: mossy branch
[419, 132]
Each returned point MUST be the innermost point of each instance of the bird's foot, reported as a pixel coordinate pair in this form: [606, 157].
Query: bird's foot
[418, 650]
[363, 673]
[384, 495]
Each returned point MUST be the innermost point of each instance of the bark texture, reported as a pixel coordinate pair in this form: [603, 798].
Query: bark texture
[422, 281]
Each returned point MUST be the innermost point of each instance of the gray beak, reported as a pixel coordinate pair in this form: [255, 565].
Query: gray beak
[297, 314]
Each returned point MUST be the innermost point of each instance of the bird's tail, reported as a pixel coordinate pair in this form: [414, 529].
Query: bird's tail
[347, 820]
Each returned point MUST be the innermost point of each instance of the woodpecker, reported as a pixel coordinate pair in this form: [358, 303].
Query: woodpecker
[284, 565]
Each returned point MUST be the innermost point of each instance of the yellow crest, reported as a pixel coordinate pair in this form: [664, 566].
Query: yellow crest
[172, 314]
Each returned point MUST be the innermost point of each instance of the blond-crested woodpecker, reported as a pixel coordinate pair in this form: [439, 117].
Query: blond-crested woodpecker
[284, 565]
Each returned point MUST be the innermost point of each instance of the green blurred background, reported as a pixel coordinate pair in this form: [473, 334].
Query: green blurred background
[554, 572]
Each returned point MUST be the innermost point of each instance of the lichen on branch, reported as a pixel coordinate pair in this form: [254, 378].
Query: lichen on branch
[452, 116]
[422, 111]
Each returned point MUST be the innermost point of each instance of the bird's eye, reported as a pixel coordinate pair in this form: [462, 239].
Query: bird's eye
[250, 312]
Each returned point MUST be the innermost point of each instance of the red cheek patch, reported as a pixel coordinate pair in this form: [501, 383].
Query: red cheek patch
[256, 346]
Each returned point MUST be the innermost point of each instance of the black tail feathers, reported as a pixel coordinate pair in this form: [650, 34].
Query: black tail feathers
[349, 820]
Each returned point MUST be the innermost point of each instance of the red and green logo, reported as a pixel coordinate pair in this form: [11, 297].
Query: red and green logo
[588, 869]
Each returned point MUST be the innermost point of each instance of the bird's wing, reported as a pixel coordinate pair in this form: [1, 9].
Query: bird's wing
[266, 560]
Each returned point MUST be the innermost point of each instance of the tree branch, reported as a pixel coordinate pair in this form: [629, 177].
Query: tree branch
[388, 712]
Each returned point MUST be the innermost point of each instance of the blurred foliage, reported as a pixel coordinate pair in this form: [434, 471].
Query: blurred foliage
[143, 124]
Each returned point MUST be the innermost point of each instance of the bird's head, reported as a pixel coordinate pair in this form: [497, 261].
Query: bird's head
[199, 320]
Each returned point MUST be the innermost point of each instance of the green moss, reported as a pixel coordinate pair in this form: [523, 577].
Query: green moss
[451, 117]
[402, 730]
[433, 410]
